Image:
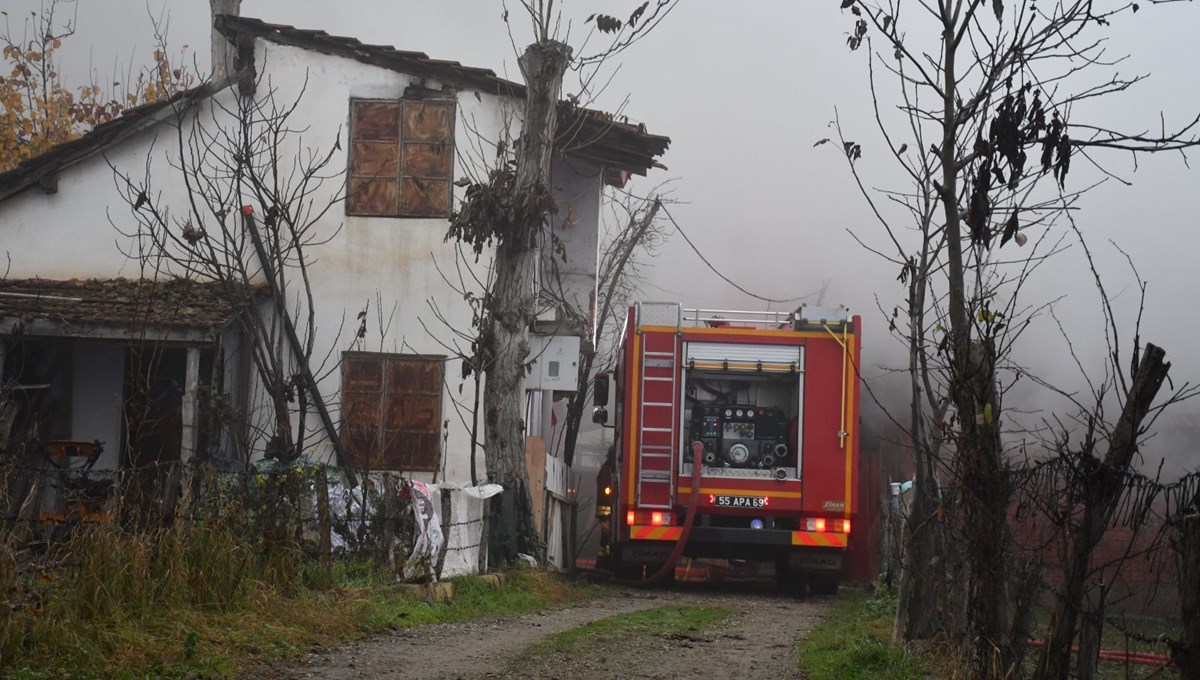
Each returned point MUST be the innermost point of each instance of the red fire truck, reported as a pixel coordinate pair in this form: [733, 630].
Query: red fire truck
[768, 404]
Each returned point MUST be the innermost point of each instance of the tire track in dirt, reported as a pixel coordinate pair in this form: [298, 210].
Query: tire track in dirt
[758, 639]
[457, 650]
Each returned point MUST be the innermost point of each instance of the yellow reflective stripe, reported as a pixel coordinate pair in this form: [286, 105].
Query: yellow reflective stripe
[820, 540]
[653, 533]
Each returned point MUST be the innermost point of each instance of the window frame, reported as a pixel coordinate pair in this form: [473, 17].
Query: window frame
[410, 98]
[378, 457]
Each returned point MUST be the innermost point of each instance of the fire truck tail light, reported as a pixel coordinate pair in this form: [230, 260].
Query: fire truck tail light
[608, 491]
[821, 524]
[644, 517]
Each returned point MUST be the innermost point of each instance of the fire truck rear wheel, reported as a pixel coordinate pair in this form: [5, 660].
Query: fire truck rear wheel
[825, 584]
[789, 581]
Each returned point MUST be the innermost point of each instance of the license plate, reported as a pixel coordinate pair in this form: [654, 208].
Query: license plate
[739, 501]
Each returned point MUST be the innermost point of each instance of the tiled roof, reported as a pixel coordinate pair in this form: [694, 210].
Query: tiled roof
[171, 303]
[43, 169]
[607, 139]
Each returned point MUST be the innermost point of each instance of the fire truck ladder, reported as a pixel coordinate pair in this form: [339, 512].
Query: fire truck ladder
[657, 434]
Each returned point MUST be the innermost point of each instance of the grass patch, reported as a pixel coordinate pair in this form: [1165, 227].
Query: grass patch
[197, 642]
[659, 621]
[855, 641]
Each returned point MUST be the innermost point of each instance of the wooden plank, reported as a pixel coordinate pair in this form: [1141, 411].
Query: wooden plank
[535, 464]
[190, 412]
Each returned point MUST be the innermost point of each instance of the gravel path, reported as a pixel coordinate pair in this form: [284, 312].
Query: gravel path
[758, 639]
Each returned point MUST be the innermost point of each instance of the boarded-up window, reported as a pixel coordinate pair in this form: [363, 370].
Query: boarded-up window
[391, 410]
[401, 157]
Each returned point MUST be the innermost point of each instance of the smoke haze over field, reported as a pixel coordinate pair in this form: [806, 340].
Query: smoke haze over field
[744, 90]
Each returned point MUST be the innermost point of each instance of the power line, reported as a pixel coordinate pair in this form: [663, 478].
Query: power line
[718, 273]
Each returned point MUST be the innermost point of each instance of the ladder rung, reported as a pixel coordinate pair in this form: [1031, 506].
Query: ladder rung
[652, 378]
[663, 404]
[658, 429]
[655, 476]
[659, 354]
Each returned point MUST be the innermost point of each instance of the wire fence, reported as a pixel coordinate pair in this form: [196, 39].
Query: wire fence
[419, 531]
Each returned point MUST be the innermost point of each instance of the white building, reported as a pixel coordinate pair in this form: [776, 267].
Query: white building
[86, 312]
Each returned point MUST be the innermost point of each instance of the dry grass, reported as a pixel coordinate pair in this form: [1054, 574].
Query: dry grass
[224, 586]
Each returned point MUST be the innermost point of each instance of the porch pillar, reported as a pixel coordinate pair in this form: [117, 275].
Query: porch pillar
[190, 416]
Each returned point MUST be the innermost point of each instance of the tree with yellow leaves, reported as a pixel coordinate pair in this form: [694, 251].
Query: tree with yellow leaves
[38, 110]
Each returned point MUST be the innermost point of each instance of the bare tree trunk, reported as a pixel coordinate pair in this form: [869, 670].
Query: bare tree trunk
[1187, 558]
[514, 295]
[917, 605]
[1104, 487]
[972, 390]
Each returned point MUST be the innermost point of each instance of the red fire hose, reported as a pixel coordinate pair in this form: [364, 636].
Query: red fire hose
[1115, 656]
[669, 567]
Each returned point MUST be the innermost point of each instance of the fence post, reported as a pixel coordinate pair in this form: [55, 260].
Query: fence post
[324, 526]
[1186, 542]
[445, 522]
[573, 542]
[484, 530]
[389, 521]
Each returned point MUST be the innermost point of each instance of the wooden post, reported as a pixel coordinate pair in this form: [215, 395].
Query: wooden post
[1090, 630]
[1186, 542]
[445, 523]
[325, 541]
[389, 521]
[484, 530]
[190, 415]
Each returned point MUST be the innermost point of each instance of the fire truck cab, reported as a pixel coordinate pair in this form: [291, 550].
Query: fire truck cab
[771, 400]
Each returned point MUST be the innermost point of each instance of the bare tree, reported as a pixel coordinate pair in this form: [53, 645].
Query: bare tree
[986, 137]
[509, 211]
[255, 195]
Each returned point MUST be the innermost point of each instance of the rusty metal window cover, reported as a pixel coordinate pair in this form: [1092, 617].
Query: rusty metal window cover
[401, 157]
[392, 410]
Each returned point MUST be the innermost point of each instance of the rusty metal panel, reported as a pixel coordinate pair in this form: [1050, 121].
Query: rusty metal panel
[372, 196]
[420, 197]
[411, 375]
[376, 121]
[375, 159]
[428, 160]
[428, 121]
[412, 413]
[362, 373]
[408, 451]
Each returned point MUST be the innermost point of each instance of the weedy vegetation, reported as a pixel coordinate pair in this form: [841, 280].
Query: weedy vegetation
[855, 641]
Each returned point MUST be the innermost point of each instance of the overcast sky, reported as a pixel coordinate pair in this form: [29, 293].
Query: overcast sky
[744, 90]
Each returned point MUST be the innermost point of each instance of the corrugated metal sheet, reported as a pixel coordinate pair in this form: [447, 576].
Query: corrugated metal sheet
[744, 356]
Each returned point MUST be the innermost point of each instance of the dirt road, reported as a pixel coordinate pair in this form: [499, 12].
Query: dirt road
[758, 639]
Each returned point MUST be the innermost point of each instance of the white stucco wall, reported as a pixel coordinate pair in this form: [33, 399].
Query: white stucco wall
[389, 263]
[576, 187]
[386, 263]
